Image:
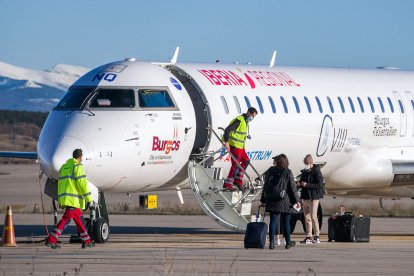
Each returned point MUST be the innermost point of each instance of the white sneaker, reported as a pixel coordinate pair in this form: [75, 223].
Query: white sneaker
[306, 241]
[316, 240]
[277, 242]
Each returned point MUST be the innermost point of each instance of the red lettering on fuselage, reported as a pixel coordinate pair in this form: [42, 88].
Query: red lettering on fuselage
[273, 78]
[223, 77]
[165, 145]
[264, 78]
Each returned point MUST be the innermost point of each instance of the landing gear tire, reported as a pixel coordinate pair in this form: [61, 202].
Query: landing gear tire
[320, 219]
[101, 230]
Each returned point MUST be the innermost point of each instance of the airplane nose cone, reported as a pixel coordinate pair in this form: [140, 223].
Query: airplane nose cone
[61, 153]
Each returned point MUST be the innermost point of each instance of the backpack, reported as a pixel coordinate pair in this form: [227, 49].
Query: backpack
[275, 185]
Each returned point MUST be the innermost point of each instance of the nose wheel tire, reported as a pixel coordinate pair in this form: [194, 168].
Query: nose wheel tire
[101, 230]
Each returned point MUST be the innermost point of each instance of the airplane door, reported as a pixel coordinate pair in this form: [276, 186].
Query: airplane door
[403, 114]
[201, 108]
[410, 98]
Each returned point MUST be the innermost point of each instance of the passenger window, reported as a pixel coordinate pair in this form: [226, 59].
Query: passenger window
[247, 101]
[296, 104]
[319, 104]
[361, 106]
[272, 104]
[401, 106]
[330, 104]
[226, 108]
[259, 102]
[114, 98]
[351, 104]
[390, 103]
[371, 104]
[284, 104]
[236, 101]
[74, 98]
[341, 104]
[381, 105]
[308, 104]
[149, 98]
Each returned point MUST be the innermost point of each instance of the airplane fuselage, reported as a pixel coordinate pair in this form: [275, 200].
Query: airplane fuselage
[138, 124]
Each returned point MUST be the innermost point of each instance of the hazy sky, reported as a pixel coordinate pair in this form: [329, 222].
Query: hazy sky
[351, 33]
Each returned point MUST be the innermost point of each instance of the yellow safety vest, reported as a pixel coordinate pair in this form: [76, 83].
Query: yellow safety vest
[73, 186]
[237, 138]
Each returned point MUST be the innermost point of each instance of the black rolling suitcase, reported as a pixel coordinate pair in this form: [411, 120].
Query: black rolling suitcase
[255, 236]
[331, 228]
[362, 229]
[348, 228]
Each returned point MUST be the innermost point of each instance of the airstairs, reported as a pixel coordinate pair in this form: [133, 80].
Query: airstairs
[231, 210]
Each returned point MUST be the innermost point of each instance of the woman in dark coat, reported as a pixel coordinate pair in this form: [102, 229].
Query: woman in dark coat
[280, 209]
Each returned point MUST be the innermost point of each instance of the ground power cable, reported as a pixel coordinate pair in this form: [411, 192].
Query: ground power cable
[41, 173]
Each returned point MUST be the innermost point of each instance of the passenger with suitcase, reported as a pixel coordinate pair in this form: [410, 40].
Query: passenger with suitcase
[278, 196]
[313, 189]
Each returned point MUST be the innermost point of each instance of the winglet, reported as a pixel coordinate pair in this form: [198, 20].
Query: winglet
[174, 59]
[272, 61]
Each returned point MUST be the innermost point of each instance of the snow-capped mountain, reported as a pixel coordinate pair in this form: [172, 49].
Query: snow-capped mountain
[35, 90]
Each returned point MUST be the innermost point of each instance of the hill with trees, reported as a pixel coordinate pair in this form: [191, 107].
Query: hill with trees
[20, 130]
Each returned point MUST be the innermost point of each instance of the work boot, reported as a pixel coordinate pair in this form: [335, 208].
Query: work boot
[229, 187]
[241, 187]
[272, 244]
[53, 245]
[88, 245]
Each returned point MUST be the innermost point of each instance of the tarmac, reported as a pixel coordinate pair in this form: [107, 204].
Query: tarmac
[190, 245]
[196, 245]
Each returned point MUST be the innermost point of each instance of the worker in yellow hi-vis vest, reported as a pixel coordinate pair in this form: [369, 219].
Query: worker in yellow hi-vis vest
[234, 137]
[74, 196]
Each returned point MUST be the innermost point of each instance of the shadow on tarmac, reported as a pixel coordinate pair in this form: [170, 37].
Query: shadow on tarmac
[39, 230]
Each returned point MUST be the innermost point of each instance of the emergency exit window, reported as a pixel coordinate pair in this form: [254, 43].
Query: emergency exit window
[114, 98]
[149, 98]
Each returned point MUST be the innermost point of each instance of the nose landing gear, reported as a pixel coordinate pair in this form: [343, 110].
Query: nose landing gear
[97, 224]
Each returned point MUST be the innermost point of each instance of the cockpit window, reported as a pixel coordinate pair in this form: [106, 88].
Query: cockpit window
[74, 98]
[149, 98]
[114, 98]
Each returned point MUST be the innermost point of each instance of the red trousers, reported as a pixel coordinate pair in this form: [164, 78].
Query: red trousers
[236, 174]
[77, 216]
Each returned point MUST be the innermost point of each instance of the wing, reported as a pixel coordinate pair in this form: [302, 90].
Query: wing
[19, 154]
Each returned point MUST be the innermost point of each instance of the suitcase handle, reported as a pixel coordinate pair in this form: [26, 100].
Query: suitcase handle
[257, 213]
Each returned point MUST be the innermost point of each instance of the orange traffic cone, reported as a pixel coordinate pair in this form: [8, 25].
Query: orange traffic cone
[8, 230]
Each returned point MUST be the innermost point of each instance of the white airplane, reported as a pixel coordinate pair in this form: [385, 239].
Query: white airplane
[152, 126]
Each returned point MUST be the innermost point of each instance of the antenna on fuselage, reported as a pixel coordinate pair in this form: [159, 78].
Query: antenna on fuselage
[273, 60]
[174, 59]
